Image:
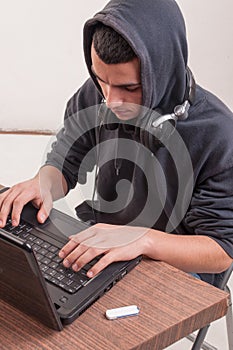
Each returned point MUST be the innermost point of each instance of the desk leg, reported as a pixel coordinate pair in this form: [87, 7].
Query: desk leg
[198, 340]
[229, 321]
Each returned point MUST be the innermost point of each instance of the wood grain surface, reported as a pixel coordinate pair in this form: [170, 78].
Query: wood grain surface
[172, 305]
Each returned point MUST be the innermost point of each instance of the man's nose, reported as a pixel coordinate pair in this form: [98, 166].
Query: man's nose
[113, 97]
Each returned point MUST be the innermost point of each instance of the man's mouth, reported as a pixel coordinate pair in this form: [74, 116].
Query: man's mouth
[122, 113]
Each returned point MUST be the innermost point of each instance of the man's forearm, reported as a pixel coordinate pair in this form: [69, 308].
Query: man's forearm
[188, 253]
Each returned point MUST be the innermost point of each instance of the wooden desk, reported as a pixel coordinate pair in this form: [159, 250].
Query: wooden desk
[172, 305]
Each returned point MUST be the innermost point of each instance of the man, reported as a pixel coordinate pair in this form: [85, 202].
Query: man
[168, 198]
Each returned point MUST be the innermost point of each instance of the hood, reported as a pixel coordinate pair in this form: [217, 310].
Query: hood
[156, 31]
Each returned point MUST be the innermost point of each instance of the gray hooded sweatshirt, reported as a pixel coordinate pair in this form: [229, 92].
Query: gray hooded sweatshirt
[185, 187]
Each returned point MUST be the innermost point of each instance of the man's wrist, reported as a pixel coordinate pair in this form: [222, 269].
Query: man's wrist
[153, 242]
[51, 179]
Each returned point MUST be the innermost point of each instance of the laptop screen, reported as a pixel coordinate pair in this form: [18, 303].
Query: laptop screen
[21, 282]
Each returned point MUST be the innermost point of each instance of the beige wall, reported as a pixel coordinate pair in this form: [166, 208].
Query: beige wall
[42, 60]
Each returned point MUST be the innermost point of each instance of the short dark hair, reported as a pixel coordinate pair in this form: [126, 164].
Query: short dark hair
[110, 46]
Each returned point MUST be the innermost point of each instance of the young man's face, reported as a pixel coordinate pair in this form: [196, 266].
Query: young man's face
[120, 84]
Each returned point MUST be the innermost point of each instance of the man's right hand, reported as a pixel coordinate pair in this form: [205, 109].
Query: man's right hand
[47, 186]
[13, 200]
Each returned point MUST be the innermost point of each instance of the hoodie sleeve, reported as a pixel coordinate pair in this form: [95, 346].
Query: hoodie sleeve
[73, 151]
[211, 210]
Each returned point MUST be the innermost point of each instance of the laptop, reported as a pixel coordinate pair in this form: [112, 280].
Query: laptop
[33, 278]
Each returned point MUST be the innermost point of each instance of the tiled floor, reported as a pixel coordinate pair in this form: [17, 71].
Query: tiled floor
[21, 156]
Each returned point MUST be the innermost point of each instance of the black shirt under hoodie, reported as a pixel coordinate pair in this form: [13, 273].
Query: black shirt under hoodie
[185, 187]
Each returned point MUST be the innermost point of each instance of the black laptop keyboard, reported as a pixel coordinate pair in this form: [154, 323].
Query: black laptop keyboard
[49, 261]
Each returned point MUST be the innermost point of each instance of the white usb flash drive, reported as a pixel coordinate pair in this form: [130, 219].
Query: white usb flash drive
[124, 311]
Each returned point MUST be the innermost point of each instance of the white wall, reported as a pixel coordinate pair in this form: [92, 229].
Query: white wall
[42, 60]
[209, 26]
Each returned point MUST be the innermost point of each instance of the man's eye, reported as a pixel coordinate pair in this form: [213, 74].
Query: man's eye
[132, 89]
